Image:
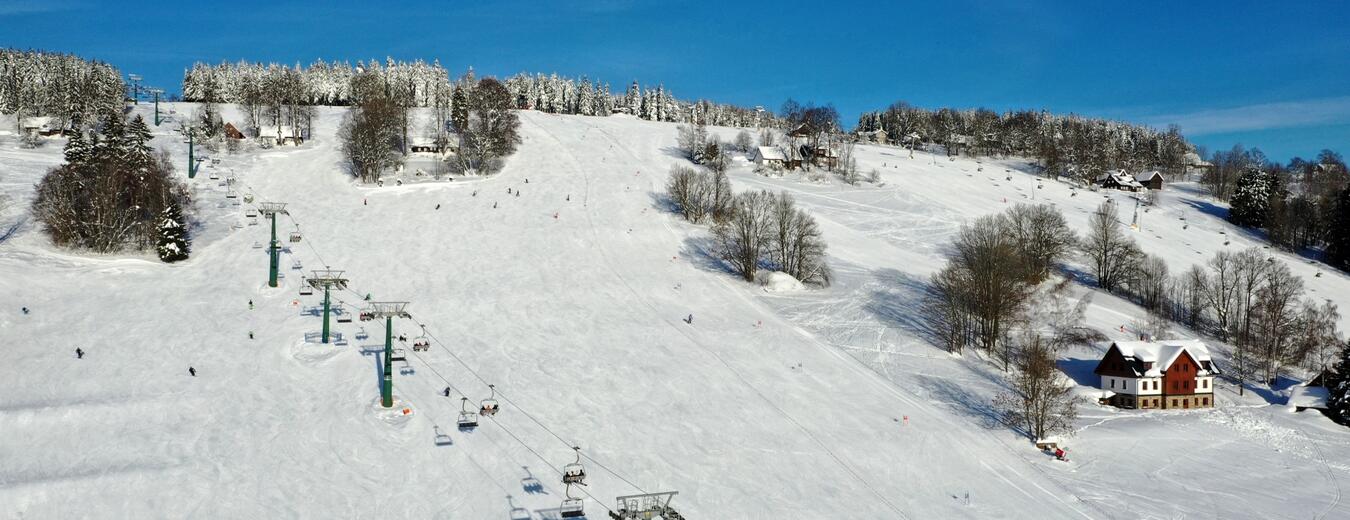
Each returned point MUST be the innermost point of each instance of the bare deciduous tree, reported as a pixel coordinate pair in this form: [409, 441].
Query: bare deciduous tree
[746, 235]
[1113, 255]
[1040, 403]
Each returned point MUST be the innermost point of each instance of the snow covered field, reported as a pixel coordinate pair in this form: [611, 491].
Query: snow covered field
[571, 297]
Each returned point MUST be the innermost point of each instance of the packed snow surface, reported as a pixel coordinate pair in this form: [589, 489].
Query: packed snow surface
[570, 294]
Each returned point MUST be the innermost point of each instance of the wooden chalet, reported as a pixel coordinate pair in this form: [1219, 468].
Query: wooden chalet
[1119, 180]
[1152, 180]
[233, 132]
[1172, 374]
[770, 157]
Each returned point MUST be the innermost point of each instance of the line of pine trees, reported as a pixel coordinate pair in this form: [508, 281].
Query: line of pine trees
[421, 84]
[1076, 146]
[114, 193]
[75, 91]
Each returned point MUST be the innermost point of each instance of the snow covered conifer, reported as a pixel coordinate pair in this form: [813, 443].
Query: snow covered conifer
[174, 242]
[77, 149]
[1338, 403]
[137, 149]
[1251, 200]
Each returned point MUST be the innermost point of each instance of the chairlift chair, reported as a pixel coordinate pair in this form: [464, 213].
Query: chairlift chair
[296, 265]
[575, 473]
[295, 236]
[231, 195]
[342, 316]
[367, 315]
[467, 419]
[250, 212]
[213, 176]
[257, 245]
[361, 334]
[248, 198]
[253, 221]
[572, 507]
[421, 343]
[489, 405]
[399, 355]
[305, 288]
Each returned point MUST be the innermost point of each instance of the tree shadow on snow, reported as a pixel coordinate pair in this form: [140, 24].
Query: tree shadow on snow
[963, 400]
[663, 203]
[698, 251]
[898, 302]
[1080, 370]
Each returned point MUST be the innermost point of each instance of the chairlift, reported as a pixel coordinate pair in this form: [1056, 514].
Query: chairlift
[574, 473]
[213, 176]
[253, 221]
[572, 507]
[342, 316]
[257, 245]
[467, 419]
[398, 355]
[489, 405]
[362, 334]
[421, 343]
[305, 288]
[231, 195]
[248, 197]
[250, 212]
[367, 315]
[296, 265]
[295, 236]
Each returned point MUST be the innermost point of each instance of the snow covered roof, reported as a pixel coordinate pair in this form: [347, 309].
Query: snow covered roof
[37, 122]
[1121, 179]
[1147, 176]
[771, 153]
[1309, 396]
[1161, 354]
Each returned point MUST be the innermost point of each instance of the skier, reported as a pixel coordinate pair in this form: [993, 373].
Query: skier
[1059, 454]
[508, 191]
[250, 305]
[192, 371]
[517, 193]
[690, 319]
[474, 194]
[494, 205]
[446, 392]
[25, 310]
[365, 202]
[250, 334]
[569, 197]
[79, 354]
[527, 180]
[438, 206]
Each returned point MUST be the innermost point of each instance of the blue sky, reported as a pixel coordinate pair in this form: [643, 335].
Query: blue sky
[1274, 75]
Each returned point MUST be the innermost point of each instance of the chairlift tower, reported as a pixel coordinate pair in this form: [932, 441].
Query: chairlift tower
[157, 92]
[326, 279]
[135, 88]
[270, 210]
[388, 311]
[192, 149]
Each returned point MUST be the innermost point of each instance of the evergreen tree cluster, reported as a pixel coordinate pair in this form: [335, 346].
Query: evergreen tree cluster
[321, 83]
[561, 95]
[421, 84]
[75, 91]
[1073, 145]
[111, 192]
[1338, 403]
[1301, 204]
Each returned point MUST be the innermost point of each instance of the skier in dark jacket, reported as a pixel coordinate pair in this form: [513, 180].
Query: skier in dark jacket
[192, 371]
[79, 354]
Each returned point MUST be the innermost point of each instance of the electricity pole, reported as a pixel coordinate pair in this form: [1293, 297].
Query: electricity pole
[388, 311]
[270, 210]
[192, 163]
[327, 279]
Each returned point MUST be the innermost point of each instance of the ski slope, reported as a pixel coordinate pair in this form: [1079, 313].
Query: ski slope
[571, 298]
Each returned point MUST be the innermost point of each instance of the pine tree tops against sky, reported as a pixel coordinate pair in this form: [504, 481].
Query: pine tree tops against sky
[420, 83]
[68, 88]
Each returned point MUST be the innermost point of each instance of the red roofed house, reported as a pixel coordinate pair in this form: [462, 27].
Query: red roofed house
[1163, 374]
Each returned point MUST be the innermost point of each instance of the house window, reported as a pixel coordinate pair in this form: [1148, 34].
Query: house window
[1205, 401]
[1204, 383]
[1113, 383]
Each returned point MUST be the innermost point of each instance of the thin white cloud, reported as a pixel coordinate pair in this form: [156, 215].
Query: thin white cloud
[13, 7]
[1287, 114]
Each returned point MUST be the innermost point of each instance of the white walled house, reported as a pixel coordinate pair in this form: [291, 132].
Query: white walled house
[1164, 374]
[770, 157]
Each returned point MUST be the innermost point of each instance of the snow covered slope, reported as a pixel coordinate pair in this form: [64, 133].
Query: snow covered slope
[571, 298]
